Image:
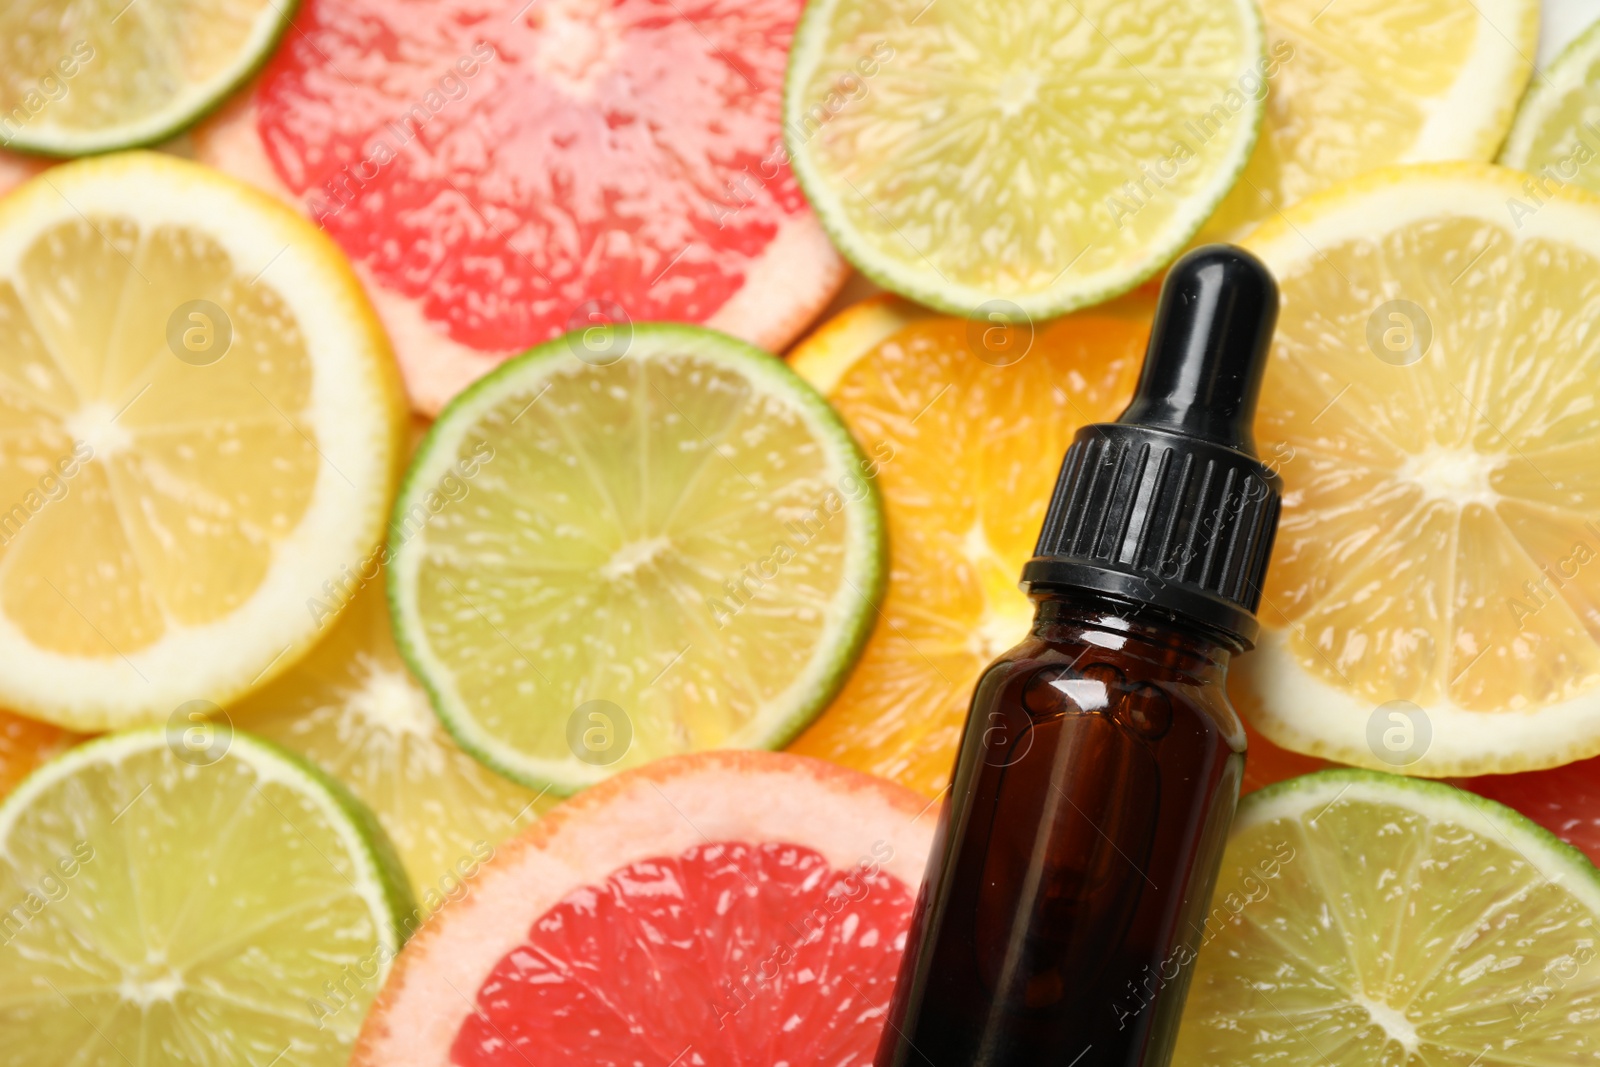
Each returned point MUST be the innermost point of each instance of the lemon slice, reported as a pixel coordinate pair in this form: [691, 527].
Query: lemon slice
[964, 423]
[1364, 918]
[1046, 155]
[1356, 85]
[97, 75]
[1433, 603]
[1555, 134]
[352, 708]
[199, 425]
[223, 904]
[603, 555]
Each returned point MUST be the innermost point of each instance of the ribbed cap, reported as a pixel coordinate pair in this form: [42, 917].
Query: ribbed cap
[1169, 505]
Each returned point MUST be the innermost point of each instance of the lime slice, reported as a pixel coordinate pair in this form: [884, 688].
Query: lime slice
[1363, 918]
[352, 708]
[986, 158]
[671, 544]
[1556, 133]
[200, 424]
[98, 75]
[203, 900]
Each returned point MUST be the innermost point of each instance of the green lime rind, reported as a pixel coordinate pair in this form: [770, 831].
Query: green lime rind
[370, 849]
[1562, 78]
[176, 119]
[1434, 799]
[929, 288]
[392, 877]
[867, 573]
[1407, 933]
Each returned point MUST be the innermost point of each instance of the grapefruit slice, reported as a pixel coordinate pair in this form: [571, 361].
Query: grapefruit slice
[665, 913]
[500, 180]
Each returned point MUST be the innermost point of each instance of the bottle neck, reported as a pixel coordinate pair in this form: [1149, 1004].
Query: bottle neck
[1163, 640]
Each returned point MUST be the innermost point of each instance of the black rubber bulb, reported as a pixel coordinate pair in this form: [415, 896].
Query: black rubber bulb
[1202, 372]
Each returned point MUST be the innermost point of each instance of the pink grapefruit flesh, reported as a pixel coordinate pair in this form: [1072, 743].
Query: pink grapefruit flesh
[502, 172]
[716, 909]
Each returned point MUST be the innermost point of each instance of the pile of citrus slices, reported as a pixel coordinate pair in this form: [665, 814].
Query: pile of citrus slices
[399, 449]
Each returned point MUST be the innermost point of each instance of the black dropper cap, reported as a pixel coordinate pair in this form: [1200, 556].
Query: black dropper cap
[1168, 507]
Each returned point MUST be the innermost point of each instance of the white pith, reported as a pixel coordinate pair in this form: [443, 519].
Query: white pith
[1465, 122]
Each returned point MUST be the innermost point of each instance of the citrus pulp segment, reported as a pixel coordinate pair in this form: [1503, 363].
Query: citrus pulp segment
[218, 904]
[967, 424]
[352, 708]
[739, 932]
[1431, 603]
[1357, 86]
[95, 76]
[1555, 134]
[1363, 918]
[1044, 156]
[676, 550]
[201, 425]
[511, 172]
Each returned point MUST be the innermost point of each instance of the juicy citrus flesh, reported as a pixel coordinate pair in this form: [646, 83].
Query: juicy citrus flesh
[352, 708]
[178, 474]
[626, 157]
[1049, 154]
[1368, 919]
[191, 475]
[673, 552]
[164, 911]
[88, 77]
[1553, 135]
[745, 953]
[967, 453]
[1439, 514]
[1357, 86]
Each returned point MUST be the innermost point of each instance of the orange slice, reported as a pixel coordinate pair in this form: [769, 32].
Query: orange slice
[965, 424]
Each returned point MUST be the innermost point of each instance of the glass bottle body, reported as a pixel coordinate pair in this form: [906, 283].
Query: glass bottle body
[1076, 851]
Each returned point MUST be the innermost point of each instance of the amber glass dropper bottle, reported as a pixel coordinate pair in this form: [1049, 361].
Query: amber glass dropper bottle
[1072, 869]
